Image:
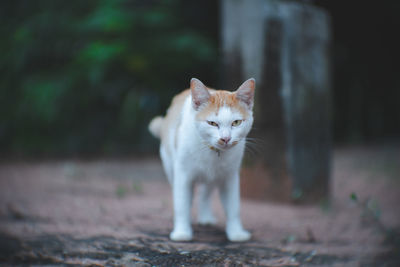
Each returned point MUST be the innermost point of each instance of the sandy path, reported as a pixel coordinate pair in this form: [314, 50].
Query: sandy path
[118, 212]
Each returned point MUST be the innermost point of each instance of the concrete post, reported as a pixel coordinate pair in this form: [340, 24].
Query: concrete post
[285, 46]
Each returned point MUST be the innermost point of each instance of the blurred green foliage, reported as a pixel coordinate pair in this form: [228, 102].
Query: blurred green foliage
[87, 76]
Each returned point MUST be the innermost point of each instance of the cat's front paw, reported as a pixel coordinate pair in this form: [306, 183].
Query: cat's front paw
[239, 235]
[180, 235]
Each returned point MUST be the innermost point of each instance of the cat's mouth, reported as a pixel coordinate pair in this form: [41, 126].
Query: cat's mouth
[225, 146]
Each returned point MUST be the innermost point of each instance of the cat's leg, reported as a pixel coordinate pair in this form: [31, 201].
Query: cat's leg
[230, 197]
[167, 163]
[182, 190]
[204, 212]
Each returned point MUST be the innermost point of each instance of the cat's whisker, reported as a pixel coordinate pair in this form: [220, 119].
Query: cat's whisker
[251, 151]
[256, 140]
[253, 146]
[260, 143]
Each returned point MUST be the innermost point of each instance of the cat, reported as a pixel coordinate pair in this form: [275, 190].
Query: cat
[203, 139]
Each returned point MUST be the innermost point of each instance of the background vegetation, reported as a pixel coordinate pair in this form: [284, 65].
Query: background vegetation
[86, 76]
[83, 77]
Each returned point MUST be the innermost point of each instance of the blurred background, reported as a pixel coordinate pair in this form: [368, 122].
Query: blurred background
[83, 78]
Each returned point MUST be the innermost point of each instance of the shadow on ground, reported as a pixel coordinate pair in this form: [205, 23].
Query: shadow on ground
[152, 251]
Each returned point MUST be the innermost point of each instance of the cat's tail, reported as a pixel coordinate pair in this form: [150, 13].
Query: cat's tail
[155, 126]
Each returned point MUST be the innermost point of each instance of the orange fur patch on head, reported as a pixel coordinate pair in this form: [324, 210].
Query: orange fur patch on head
[219, 99]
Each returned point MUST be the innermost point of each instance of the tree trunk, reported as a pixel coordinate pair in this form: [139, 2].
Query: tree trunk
[285, 46]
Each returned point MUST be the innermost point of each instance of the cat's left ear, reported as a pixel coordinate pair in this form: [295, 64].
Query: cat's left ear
[245, 93]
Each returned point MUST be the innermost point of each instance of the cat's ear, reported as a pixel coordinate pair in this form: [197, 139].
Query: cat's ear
[245, 93]
[200, 94]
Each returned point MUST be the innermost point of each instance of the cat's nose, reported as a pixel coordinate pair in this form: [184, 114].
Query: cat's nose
[225, 140]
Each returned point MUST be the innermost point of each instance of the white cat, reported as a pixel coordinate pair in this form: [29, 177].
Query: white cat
[202, 141]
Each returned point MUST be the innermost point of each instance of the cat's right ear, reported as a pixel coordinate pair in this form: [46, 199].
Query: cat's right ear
[200, 94]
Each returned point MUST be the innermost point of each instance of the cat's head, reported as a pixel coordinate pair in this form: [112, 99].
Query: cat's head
[223, 118]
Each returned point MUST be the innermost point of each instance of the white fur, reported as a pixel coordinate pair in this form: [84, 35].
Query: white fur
[189, 159]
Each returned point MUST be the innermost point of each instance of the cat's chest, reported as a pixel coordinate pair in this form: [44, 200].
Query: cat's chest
[211, 165]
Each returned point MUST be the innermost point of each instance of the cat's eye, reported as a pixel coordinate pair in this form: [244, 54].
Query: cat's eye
[236, 122]
[213, 123]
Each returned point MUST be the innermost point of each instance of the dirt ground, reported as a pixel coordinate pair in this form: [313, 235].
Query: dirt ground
[119, 213]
